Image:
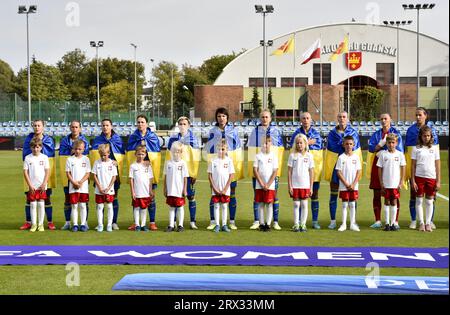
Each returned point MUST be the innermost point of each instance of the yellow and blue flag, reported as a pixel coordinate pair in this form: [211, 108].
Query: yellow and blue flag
[191, 151]
[412, 135]
[65, 151]
[315, 149]
[235, 151]
[117, 151]
[335, 148]
[256, 140]
[48, 148]
[151, 142]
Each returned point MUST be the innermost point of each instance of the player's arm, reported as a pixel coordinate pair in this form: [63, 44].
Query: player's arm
[355, 181]
[258, 177]
[230, 179]
[437, 164]
[150, 188]
[69, 176]
[402, 176]
[133, 195]
[28, 180]
[85, 178]
[342, 179]
[97, 183]
[311, 180]
[291, 191]
[44, 183]
[185, 186]
[272, 178]
[380, 176]
[413, 174]
[211, 184]
[165, 185]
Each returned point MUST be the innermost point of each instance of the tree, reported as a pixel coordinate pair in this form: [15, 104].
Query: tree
[163, 86]
[212, 67]
[74, 72]
[256, 103]
[190, 76]
[46, 83]
[117, 96]
[270, 104]
[6, 78]
[366, 103]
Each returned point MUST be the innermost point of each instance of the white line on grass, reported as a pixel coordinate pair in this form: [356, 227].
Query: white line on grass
[442, 196]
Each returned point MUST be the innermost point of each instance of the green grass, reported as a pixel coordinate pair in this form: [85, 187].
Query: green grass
[29, 279]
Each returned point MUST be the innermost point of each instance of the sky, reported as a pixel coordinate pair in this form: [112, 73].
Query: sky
[183, 32]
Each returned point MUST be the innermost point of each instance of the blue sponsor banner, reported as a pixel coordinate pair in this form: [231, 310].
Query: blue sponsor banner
[283, 283]
[226, 255]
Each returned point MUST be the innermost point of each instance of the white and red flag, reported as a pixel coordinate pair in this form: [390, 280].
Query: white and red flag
[312, 52]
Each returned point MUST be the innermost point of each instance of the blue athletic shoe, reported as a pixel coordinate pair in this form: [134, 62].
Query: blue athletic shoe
[83, 228]
[66, 226]
[225, 228]
[376, 225]
[109, 228]
[144, 229]
[332, 226]
[75, 228]
[315, 225]
[137, 228]
[100, 228]
[217, 229]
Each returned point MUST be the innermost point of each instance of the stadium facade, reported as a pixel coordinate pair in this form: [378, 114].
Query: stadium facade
[373, 61]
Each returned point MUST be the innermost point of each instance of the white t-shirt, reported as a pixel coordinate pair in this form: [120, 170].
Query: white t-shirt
[349, 166]
[391, 163]
[175, 173]
[301, 164]
[266, 164]
[221, 169]
[78, 167]
[36, 166]
[142, 177]
[104, 172]
[425, 161]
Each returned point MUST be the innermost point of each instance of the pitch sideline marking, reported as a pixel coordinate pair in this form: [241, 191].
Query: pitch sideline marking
[442, 196]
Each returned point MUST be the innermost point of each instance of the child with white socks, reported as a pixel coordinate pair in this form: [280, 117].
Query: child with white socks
[425, 175]
[175, 186]
[348, 169]
[36, 170]
[300, 180]
[105, 172]
[78, 169]
[141, 178]
[220, 175]
[265, 168]
[391, 171]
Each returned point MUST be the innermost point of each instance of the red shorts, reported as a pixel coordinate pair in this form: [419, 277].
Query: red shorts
[425, 185]
[300, 193]
[99, 199]
[348, 195]
[391, 193]
[220, 199]
[78, 197]
[142, 203]
[267, 196]
[38, 195]
[175, 201]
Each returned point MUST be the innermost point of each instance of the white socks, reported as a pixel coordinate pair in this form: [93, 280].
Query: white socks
[224, 213]
[296, 212]
[217, 213]
[304, 214]
[136, 216]
[268, 213]
[100, 208]
[352, 205]
[41, 212]
[83, 213]
[180, 215]
[428, 210]
[143, 213]
[419, 209]
[217, 207]
[109, 208]
[344, 212]
[75, 214]
[171, 216]
[33, 212]
[393, 214]
[261, 213]
[386, 213]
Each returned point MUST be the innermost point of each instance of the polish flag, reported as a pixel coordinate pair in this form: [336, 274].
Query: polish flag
[313, 52]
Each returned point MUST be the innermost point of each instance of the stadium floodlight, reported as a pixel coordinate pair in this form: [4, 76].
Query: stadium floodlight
[397, 24]
[418, 7]
[23, 10]
[135, 82]
[268, 9]
[96, 45]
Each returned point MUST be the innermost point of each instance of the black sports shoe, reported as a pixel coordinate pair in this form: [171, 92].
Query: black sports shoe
[180, 229]
[170, 229]
[387, 228]
[262, 227]
[394, 227]
[266, 228]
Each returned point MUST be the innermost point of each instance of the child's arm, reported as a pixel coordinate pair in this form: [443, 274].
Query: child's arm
[291, 191]
[44, 183]
[272, 178]
[380, 176]
[133, 195]
[165, 186]
[28, 180]
[74, 183]
[413, 174]
[311, 180]
[150, 189]
[97, 183]
[402, 176]
[258, 178]
[438, 174]
[342, 179]
[355, 181]
[111, 184]
[85, 178]
[185, 186]
[211, 183]
[230, 179]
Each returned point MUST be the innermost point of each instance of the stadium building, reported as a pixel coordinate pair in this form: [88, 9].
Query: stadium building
[372, 57]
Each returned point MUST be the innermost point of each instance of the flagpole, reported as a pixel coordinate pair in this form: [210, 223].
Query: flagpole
[293, 76]
[348, 75]
[321, 96]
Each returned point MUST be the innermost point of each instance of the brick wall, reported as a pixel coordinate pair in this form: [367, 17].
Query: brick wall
[331, 100]
[209, 97]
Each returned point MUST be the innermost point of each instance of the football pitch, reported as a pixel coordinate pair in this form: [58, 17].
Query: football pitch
[51, 279]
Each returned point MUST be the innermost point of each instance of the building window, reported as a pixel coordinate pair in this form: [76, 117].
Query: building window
[259, 82]
[439, 81]
[385, 73]
[289, 82]
[326, 73]
[413, 80]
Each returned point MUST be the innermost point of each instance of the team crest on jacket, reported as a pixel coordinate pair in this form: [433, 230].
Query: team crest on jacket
[41, 162]
[225, 165]
[180, 167]
[83, 164]
[396, 159]
[269, 160]
[354, 161]
[109, 168]
[305, 160]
